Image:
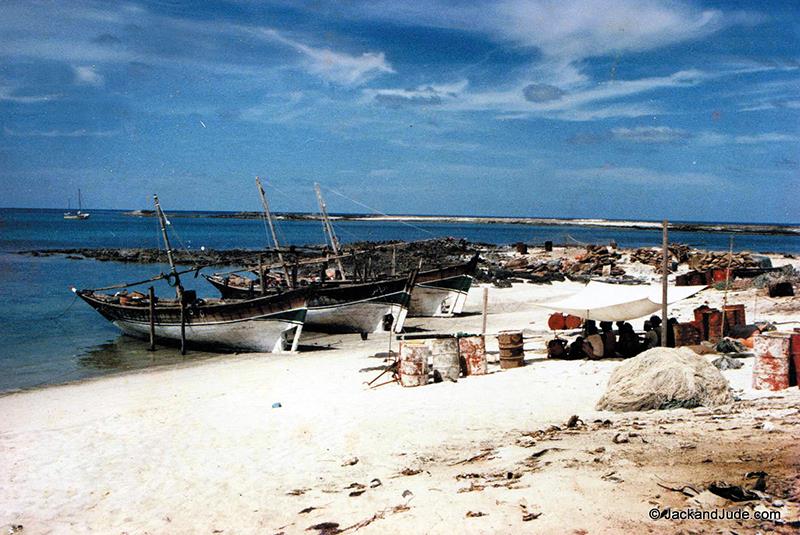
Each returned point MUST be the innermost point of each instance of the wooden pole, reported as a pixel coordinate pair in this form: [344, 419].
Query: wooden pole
[261, 275]
[394, 260]
[268, 217]
[485, 308]
[727, 284]
[664, 281]
[174, 272]
[151, 294]
[326, 223]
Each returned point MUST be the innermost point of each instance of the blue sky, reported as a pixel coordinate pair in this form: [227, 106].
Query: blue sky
[614, 109]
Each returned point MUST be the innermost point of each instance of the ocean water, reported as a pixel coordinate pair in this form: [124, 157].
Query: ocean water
[48, 336]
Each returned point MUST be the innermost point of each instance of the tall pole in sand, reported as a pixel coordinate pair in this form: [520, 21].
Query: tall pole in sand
[664, 277]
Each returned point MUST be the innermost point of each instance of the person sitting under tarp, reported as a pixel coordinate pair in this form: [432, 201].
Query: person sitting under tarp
[593, 348]
[628, 345]
[609, 339]
[655, 323]
[650, 336]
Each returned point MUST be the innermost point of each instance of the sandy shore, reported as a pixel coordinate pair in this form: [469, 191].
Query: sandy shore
[200, 448]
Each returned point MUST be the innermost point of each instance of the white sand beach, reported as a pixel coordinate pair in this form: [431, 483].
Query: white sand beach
[199, 448]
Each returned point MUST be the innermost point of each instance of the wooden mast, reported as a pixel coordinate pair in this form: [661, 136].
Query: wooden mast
[173, 272]
[268, 216]
[326, 223]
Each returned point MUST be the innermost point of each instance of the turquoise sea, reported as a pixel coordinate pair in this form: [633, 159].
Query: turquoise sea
[49, 337]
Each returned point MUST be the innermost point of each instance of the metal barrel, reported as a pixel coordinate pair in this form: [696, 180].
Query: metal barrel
[413, 366]
[734, 316]
[771, 368]
[444, 353]
[512, 353]
[473, 350]
[557, 321]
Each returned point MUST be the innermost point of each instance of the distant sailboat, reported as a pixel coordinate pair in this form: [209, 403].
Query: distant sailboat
[79, 214]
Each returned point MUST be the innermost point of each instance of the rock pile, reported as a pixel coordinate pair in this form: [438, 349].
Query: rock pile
[706, 261]
[598, 260]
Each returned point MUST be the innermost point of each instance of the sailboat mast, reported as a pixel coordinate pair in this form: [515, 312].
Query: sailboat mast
[268, 216]
[326, 222]
[80, 205]
[163, 221]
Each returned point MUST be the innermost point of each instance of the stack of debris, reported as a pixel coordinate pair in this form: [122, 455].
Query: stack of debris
[526, 268]
[598, 260]
[708, 261]
[654, 257]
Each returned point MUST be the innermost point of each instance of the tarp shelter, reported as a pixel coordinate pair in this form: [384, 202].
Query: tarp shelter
[601, 301]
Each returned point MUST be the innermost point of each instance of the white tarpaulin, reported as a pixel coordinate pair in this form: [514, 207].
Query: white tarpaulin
[601, 301]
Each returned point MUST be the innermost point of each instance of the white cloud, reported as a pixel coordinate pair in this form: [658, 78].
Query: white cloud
[425, 95]
[86, 75]
[565, 32]
[81, 132]
[8, 94]
[769, 137]
[650, 134]
[579, 104]
[714, 138]
[337, 67]
[639, 175]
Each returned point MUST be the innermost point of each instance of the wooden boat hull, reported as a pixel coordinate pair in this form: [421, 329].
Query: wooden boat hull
[342, 307]
[443, 298]
[442, 292]
[267, 324]
[365, 316]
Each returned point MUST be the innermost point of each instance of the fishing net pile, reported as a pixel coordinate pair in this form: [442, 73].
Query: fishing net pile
[665, 378]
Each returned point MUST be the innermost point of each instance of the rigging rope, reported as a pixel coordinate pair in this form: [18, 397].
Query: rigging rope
[379, 212]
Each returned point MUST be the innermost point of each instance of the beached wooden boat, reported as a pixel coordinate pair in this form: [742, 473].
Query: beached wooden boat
[442, 292]
[265, 324]
[268, 323]
[338, 306]
[335, 306]
[79, 214]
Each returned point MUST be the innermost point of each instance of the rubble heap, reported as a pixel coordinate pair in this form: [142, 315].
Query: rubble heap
[706, 261]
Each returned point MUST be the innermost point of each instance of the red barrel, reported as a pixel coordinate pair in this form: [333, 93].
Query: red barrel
[557, 321]
[771, 368]
[720, 275]
[573, 322]
[734, 316]
[686, 334]
[473, 350]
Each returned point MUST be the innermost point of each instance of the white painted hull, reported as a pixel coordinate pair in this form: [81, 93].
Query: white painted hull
[431, 301]
[358, 316]
[271, 336]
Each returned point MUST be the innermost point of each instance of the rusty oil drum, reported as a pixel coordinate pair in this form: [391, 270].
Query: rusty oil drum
[444, 353]
[512, 353]
[734, 316]
[413, 365]
[473, 350]
[771, 367]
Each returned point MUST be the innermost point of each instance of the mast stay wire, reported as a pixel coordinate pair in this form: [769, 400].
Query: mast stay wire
[375, 210]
